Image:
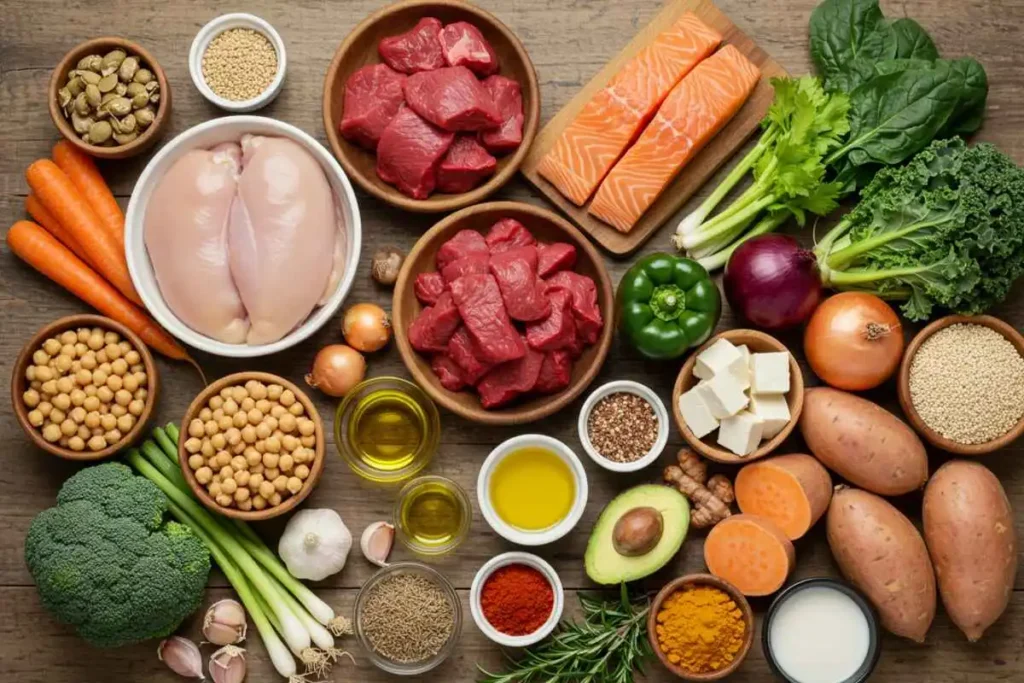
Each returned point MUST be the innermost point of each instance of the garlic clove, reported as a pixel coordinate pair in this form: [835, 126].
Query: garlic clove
[224, 623]
[376, 542]
[181, 656]
[227, 665]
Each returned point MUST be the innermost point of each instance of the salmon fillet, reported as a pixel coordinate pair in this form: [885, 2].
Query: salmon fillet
[611, 120]
[695, 111]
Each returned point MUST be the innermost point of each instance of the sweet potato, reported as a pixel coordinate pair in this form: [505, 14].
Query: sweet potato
[791, 490]
[881, 552]
[750, 552]
[968, 527]
[863, 443]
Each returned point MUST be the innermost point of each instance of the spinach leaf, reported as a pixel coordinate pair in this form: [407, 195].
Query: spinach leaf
[912, 41]
[970, 109]
[848, 31]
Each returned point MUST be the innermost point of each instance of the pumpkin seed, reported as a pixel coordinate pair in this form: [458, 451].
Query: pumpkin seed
[154, 98]
[128, 68]
[112, 61]
[93, 96]
[144, 117]
[76, 85]
[120, 106]
[82, 104]
[143, 76]
[152, 86]
[90, 77]
[81, 123]
[64, 97]
[125, 138]
[108, 82]
[100, 132]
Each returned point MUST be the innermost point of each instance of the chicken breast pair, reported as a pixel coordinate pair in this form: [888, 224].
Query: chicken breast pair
[245, 239]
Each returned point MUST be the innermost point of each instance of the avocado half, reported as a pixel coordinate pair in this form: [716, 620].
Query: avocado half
[606, 566]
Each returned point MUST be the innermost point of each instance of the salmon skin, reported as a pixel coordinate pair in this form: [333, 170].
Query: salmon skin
[588, 148]
[693, 113]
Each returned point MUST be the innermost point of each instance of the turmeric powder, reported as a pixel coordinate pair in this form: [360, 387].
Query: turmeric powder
[700, 629]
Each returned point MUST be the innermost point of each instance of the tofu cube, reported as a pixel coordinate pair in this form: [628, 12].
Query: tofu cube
[724, 395]
[773, 411]
[741, 433]
[741, 369]
[769, 373]
[696, 413]
[715, 359]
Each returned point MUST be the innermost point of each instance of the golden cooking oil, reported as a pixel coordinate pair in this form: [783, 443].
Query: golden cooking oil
[532, 488]
[388, 429]
[432, 515]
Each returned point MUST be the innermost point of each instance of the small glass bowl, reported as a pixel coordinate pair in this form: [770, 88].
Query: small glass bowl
[429, 440]
[442, 546]
[418, 668]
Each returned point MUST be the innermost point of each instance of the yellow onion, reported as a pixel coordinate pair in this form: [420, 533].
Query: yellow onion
[336, 369]
[366, 327]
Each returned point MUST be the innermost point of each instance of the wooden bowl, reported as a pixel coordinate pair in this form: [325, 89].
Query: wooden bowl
[546, 227]
[102, 46]
[702, 580]
[19, 385]
[930, 435]
[757, 342]
[360, 49]
[315, 470]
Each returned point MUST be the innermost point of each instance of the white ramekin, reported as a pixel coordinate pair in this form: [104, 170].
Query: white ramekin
[504, 560]
[643, 392]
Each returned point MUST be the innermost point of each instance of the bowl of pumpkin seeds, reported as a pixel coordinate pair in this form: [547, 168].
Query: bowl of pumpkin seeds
[109, 97]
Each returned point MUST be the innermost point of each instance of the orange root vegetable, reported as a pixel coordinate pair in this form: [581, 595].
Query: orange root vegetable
[35, 208]
[750, 552]
[82, 171]
[710, 498]
[66, 204]
[791, 490]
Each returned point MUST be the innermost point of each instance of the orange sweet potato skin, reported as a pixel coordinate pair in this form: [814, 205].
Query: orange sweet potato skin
[881, 552]
[968, 527]
[863, 443]
[813, 479]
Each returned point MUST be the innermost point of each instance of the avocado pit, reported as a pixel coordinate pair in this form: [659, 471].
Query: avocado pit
[638, 531]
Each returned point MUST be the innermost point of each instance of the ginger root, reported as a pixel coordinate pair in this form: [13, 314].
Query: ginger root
[710, 498]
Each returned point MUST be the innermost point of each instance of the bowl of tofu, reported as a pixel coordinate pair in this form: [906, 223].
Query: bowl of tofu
[738, 396]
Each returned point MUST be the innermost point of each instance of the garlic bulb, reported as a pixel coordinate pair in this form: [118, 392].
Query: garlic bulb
[376, 542]
[315, 544]
[224, 623]
[227, 665]
[181, 656]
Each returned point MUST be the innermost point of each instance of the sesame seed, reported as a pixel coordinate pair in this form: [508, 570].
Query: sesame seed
[239, 64]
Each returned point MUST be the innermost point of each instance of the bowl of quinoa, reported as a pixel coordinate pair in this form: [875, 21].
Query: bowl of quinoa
[237, 61]
[623, 426]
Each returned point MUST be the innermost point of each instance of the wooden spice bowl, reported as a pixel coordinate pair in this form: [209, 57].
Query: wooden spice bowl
[315, 469]
[360, 49]
[757, 342]
[102, 46]
[19, 384]
[907, 404]
[714, 582]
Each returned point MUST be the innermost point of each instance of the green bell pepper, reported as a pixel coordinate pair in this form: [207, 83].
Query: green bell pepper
[667, 304]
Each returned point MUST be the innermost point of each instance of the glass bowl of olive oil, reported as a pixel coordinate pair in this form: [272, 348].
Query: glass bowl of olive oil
[432, 515]
[387, 429]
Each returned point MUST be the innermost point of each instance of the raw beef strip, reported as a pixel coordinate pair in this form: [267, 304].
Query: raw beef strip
[416, 50]
[408, 153]
[447, 372]
[428, 287]
[483, 312]
[464, 243]
[452, 98]
[555, 257]
[373, 95]
[511, 379]
[558, 330]
[555, 372]
[464, 45]
[516, 273]
[435, 325]
[508, 98]
[474, 264]
[466, 165]
[508, 233]
[584, 302]
[464, 353]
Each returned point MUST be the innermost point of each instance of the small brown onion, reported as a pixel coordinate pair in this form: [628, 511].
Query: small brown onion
[385, 266]
[336, 369]
[366, 327]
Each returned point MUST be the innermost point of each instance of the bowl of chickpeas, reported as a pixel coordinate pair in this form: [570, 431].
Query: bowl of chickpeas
[84, 387]
[252, 446]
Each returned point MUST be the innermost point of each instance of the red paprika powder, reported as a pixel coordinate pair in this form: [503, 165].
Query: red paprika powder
[517, 599]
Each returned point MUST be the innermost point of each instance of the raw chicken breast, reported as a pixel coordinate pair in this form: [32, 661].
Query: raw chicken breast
[186, 232]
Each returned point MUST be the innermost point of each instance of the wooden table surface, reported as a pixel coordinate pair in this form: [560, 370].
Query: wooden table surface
[568, 40]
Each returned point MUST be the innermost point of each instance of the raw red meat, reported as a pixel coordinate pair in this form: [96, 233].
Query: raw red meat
[373, 95]
[408, 153]
[555, 257]
[447, 372]
[508, 233]
[558, 330]
[474, 264]
[508, 99]
[428, 287]
[466, 165]
[416, 50]
[511, 379]
[584, 302]
[435, 325]
[463, 244]
[483, 312]
[516, 273]
[452, 98]
[464, 353]
[464, 45]
[555, 372]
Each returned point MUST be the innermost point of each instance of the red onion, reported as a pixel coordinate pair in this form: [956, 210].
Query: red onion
[772, 282]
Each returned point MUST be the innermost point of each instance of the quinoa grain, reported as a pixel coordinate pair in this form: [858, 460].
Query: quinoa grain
[239, 64]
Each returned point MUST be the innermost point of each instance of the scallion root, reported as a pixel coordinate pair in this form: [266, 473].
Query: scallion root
[340, 626]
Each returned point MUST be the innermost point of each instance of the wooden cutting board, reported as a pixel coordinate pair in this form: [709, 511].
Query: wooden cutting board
[693, 176]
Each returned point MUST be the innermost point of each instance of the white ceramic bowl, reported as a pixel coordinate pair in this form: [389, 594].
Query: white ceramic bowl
[214, 28]
[643, 392]
[204, 136]
[504, 560]
[511, 533]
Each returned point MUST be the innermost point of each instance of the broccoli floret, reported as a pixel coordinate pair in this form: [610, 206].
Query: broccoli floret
[105, 562]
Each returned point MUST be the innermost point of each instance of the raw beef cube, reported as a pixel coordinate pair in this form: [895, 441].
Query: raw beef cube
[463, 244]
[408, 153]
[511, 379]
[483, 312]
[416, 50]
[452, 98]
[428, 287]
[373, 95]
[555, 372]
[435, 325]
[447, 372]
[555, 257]
[466, 165]
[508, 233]
[516, 273]
[584, 302]
[464, 353]
[464, 45]
[508, 98]
[474, 264]
[558, 330]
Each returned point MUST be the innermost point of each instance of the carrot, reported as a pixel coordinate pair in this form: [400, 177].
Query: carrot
[35, 208]
[791, 490]
[82, 171]
[63, 200]
[750, 552]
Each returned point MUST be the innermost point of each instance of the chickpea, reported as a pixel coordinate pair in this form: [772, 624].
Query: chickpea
[288, 423]
[69, 337]
[287, 398]
[30, 373]
[136, 407]
[214, 488]
[113, 352]
[104, 394]
[195, 428]
[242, 478]
[132, 357]
[248, 434]
[113, 436]
[71, 351]
[62, 402]
[296, 409]
[229, 486]
[266, 489]
[224, 423]
[78, 397]
[119, 367]
[233, 435]
[259, 446]
[306, 427]
[257, 468]
[259, 503]
[289, 443]
[99, 376]
[225, 393]
[238, 448]
[278, 411]
[125, 423]
[280, 483]
[223, 459]
[272, 445]
[76, 443]
[286, 463]
[239, 463]
[259, 391]
[207, 449]
[44, 373]
[274, 500]
[246, 404]
[255, 481]
[95, 342]
[115, 383]
[88, 362]
[65, 364]
[97, 443]
[216, 403]
[230, 407]
[244, 506]
[308, 441]
[92, 420]
[51, 433]
[31, 398]
[90, 390]
[84, 431]
[271, 422]
[51, 346]
[196, 461]
[205, 415]
[270, 460]
[239, 420]
[252, 456]
[77, 415]
[57, 415]
[264, 406]
[111, 337]
[45, 407]
[108, 422]
[80, 350]
[294, 485]
[224, 500]
[65, 385]
[68, 427]
[35, 418]
[40, 357]
[239, 394]
[129, 383]
[262, 430]
[49, 387]
[241, 494]
[226, 472]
